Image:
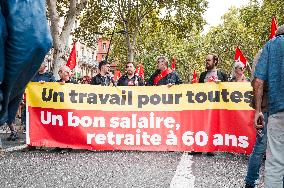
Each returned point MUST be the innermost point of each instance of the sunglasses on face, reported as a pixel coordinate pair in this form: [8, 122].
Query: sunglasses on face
[240, 68]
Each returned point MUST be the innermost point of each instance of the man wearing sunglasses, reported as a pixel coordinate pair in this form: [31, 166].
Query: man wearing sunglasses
[238, 72]
[130, 79]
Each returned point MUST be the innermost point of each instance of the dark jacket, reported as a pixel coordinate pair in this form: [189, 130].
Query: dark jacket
[101, 80]
[125, 81]
[46, 77]
[221, 76]
[171, 78]
[68, 81]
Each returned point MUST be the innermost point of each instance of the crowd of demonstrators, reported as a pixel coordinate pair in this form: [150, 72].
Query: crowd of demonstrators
[212, 74]
[270, 69]
[130, 78]
[257, 155]
[103, 78]
[164, 75]
[20, 57]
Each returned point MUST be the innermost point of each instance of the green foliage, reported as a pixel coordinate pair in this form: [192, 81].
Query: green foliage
[247, 27]
[173, 28]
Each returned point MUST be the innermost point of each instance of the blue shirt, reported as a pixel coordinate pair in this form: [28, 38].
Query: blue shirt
[270, 68]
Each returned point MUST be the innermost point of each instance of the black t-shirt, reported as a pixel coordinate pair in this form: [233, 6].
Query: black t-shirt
[105, 80]
[125, 81]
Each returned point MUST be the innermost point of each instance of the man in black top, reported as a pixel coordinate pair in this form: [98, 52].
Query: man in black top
[212, 74]
[130, 79]
[164, 75]
[104, 78]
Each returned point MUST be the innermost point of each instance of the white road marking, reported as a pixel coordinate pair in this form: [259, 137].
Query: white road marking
[15, 148]
[183, 177]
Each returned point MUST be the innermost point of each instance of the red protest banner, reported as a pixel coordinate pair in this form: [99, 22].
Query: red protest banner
[196, 124]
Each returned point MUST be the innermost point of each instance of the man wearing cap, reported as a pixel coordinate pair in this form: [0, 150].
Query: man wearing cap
[270, 69]
[103, 78]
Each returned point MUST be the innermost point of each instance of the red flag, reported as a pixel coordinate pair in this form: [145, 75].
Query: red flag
[194, 77]
[71, 63]
[140, 71]
[174, 62]
[117, 75]
[239, 57]
[273, 28]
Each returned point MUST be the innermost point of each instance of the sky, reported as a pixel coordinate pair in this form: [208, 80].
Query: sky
[217, 8]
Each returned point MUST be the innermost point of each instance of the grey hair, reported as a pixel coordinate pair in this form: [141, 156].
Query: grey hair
[280, 30]
[164, 58]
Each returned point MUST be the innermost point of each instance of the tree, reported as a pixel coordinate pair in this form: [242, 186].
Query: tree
[69, 10]
[247, 27]
[131, 16]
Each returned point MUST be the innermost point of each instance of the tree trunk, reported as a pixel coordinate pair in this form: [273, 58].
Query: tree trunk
[61, 39]
[59, 59]
[130, 55]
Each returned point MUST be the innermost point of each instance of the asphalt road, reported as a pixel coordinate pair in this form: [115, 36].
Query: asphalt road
[79, 168]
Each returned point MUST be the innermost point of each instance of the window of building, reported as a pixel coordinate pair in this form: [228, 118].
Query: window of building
[104, 46]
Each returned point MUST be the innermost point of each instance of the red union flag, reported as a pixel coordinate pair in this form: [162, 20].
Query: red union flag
[194, 77]
[239, 57]
[117, 75]
[174, 62]
[140, 71]
[273, 28]
[71, 63]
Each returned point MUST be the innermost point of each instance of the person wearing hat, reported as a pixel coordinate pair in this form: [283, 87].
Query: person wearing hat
[238, 72]
[103, 78]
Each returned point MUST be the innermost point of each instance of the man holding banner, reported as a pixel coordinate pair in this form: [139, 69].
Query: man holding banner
[270, 69]
[212, 74]
[104, 78]
[130, 79]
[164, 75]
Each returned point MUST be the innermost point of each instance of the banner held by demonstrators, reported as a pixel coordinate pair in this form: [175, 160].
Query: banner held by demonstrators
[200, 117]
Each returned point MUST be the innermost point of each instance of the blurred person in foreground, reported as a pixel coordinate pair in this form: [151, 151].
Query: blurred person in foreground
[257, 155]
[24, 41]
[270, 69]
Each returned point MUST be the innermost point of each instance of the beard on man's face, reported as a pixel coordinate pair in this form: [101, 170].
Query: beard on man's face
[209, 66]
[129, 72]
